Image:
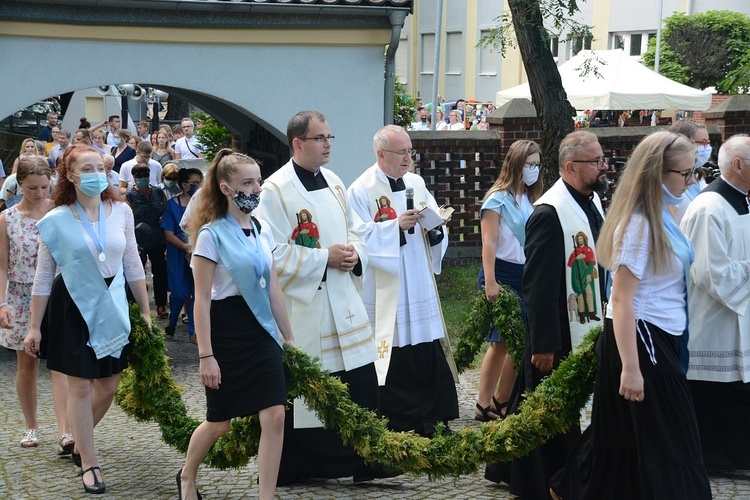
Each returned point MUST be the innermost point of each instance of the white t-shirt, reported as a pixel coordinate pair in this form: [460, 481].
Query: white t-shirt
[659, 299]
[188, 149]
[126, 175]
[457, 126]
[508, 247]
[11, 185]
[223, 286]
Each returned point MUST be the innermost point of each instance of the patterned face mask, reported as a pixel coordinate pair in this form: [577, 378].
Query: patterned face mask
[246, 202]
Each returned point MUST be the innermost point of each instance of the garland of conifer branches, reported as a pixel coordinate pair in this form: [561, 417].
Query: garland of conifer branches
[148, 392]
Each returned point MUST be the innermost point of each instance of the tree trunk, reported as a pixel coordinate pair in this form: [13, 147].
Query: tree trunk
[547, 93]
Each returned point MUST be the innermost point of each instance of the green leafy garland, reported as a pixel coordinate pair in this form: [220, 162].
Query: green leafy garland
[504, 314]
[148, 392]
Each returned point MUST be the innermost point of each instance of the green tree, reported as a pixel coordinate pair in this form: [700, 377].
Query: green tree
[403, 105]
[525, 27]
[707, 49]
[212, 134]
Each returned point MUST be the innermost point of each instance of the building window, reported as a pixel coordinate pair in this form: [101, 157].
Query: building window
[636, 39]
[554, 43]
[402, 61]
[428, 53]
[618, 41]
[577, 44]
[489, 58]
[454, 54]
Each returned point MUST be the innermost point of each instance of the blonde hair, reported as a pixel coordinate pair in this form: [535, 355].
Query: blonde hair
[169, 168]
[640, 190]
[212, 203]
[511, 173]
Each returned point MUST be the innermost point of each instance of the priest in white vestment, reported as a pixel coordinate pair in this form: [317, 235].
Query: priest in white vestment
[415, 369]
[718, 225]
[320, 257]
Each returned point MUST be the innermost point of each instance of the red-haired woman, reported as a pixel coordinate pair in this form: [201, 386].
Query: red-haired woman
[86, 323]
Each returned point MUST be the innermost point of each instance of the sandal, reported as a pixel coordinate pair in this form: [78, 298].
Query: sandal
[161, 312]
[66, 444]
[500, 408]
[192, 339]
[30, 438]
[487, 415]
[98, 487]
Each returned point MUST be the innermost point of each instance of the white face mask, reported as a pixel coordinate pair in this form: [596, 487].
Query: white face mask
[530, 176]
[704, 153]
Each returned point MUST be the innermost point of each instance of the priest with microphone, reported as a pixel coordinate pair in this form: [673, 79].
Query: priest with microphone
[415, 368]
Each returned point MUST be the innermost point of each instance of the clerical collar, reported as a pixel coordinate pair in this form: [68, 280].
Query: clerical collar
[311, 181]
[581, 199]
[396, 184]
[732, 185]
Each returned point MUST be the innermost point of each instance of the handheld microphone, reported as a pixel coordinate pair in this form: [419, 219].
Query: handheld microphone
[410, 203]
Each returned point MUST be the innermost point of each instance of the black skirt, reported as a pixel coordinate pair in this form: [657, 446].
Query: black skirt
[649, 449]
[65, 335]
[252, 373]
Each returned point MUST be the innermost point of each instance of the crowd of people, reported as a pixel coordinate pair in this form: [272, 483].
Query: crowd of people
[462, 115]
[348, 276]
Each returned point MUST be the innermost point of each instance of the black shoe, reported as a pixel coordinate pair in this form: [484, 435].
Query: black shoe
[169, 332]
[594, 317]
[179, 486]
[76, 459]
[497, 472]
[377, 471]
[98, 486]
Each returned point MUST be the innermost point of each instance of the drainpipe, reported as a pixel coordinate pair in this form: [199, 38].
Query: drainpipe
[397, 23]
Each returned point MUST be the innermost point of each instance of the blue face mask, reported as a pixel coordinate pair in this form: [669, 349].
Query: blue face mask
[703, 154]
[93, 184]
[169, 183]
[142, 183]
[192, 189]
[117, 142]
[669, 198]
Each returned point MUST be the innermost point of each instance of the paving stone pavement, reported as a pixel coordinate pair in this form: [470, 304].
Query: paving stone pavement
[136, 464]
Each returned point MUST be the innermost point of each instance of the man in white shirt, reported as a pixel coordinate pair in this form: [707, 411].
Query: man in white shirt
[63, 141]
[114, 126]
[188, 147]
[143, 155]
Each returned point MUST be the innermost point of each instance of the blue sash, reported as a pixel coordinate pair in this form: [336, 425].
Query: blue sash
[235, 251]
[510, 211]
[104, 309]
[684, 251]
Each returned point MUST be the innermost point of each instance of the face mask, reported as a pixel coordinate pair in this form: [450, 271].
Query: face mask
[530, 176]
[669, 198]
[192, 189]
[117, 142]
[142, 183]
[169, 183]
[424, 119]
[704, 153]
[93, 184]
[246, 202]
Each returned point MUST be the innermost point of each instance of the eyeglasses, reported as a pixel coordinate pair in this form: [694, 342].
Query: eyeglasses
[703, 143]
[141, 176]
[320, 139]
[686, 174]
[403, 152]
[194, 183]
[532, 165]
[599, 162]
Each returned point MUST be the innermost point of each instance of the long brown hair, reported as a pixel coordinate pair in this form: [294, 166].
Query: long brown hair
[511, 174]
[640, 190]
[212, 203]
[65, 191]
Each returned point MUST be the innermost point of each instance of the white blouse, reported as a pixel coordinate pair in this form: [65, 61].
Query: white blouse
[223, 285]
[659, 299]
[121, 250]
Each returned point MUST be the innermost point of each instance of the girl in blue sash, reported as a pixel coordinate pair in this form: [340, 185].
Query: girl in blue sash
[239, 312]
[643, 439]
[80, 320]
[505, 210]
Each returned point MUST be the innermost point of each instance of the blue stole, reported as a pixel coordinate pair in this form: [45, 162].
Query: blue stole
[684, 251]
[104, 309]
[511, 212]
[235, 250]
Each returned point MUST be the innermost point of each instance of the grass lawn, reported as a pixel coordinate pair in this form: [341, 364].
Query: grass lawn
[457, 285]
